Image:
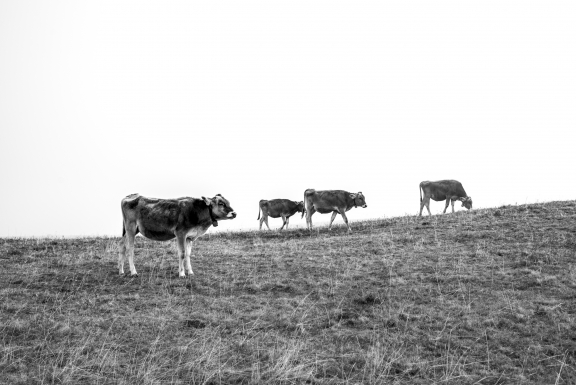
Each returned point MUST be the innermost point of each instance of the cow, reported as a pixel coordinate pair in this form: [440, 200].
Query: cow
[448, 190]
[185, 219]
[277, 208]
[334, 201]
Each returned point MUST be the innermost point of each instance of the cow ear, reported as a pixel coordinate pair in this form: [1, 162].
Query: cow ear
[218, 195]
[208, 201]
[353, 196]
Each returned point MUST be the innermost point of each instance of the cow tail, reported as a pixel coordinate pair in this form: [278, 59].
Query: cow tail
[305, 210]
[420, 190]
[259, 211]
[123, 219]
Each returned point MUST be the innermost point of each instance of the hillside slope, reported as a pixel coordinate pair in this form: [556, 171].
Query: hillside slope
[486, 296]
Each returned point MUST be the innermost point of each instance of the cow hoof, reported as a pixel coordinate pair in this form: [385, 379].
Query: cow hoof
[134, 275]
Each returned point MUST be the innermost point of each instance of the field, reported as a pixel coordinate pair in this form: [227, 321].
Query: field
[478, 297]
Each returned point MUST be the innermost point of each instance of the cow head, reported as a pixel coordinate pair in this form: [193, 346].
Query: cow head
[300, 208]
[467, 202]
[219, 209]
[359, 200]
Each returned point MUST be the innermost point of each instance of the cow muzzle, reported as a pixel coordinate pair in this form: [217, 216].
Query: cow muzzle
[364, 206]
[231, 215]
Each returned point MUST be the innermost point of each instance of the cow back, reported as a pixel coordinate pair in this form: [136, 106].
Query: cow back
[442, 189]
[326, 200]
[167, 215]
[281, 207]
[158, 214]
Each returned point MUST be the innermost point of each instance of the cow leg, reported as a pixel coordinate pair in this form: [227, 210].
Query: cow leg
[122, 255]
[130, 235]
[266, 221]
[188, 254]
[127, 242]
[447, 203]
[287, 220]
[332, 219]
[283, 222]
[181, 245]
[425, 202]
[309, 213]
[346, 221]
[261, 221]
[452, 206]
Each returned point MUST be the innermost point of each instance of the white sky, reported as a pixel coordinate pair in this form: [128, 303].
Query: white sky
[261, 100]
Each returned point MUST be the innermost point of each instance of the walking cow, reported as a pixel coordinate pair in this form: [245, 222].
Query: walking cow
[334, 201]
[185, 219]
[277, 208]
[448, 190]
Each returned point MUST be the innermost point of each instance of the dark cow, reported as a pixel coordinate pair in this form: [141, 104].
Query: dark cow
[277, 208]
[185, 219]
[334, 201]
[448, 190]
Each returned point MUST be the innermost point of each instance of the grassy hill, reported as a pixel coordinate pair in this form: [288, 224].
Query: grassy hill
[486, 297]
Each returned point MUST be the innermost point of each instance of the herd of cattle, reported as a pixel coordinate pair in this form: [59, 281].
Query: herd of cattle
[186, 219]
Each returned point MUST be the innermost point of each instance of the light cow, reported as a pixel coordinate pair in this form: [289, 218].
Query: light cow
[448, 190]
[277, 208]
[331, 201]
[185, 219]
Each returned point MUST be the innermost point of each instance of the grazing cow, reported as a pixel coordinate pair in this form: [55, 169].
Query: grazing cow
[276, 208]
[334, 201]
[448, 190]
[185, 219]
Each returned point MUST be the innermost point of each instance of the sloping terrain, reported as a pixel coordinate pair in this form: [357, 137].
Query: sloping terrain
[486, 297]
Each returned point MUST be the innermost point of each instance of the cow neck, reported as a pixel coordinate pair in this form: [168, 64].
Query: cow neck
[214, 221]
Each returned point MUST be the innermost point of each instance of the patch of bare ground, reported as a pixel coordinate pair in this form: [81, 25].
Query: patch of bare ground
[479, 297]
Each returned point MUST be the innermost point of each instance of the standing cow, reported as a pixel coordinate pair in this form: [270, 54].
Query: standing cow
[185, 219]
[334, 201]
[448, 190]
[277, 208]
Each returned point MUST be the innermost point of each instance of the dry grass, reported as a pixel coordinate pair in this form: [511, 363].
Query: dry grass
[480, 297]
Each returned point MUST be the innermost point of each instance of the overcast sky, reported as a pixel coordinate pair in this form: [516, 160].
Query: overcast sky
[261, 100]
